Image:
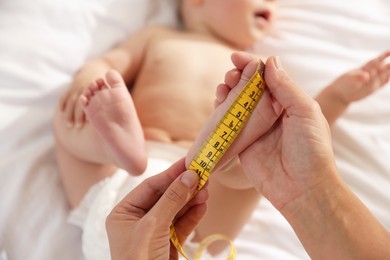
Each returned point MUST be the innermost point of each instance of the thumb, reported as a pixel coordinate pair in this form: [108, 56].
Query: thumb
[175, 197]
[283, 89]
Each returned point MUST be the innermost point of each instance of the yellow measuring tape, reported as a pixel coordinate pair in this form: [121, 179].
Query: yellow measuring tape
[218, 143]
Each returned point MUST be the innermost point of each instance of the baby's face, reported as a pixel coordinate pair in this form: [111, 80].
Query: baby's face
[241, 23]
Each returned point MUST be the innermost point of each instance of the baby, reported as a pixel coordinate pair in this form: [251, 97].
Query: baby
[173, 75]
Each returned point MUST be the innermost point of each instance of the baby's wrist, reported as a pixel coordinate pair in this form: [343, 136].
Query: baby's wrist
[337, 95]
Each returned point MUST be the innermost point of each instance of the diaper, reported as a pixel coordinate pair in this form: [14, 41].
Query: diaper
[91, 215]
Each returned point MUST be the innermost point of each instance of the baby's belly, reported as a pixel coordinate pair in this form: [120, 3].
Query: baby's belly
[164, 136]
[172, 112]
[178, 123]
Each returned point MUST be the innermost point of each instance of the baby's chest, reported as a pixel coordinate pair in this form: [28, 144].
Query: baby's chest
[189, 56]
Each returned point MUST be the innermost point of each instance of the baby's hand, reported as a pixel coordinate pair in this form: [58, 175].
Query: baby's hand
[69, 103]
[72, 111]
[360, 83]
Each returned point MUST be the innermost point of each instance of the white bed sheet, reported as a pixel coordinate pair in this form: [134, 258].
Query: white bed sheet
[42, 43]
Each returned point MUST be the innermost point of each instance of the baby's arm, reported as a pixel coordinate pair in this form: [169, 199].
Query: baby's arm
[353, 86]
[126, 58]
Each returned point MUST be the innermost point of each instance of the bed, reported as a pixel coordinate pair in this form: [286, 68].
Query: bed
[42, 43]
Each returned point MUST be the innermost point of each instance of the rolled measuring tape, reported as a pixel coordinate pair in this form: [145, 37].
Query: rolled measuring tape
[218, 142]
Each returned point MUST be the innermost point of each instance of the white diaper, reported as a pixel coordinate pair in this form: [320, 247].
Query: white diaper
[102, 197]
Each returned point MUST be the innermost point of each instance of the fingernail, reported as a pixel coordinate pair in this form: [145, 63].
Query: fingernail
[78, 125]
[278, 63]
[69, 125]
[189, 178]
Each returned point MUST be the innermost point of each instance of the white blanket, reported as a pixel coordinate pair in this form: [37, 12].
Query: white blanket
[42, 43]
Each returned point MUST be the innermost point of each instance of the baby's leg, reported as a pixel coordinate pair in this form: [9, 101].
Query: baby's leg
[229, 182]
[110, 110]
[78, 175]
[261, 120]
[81, 157]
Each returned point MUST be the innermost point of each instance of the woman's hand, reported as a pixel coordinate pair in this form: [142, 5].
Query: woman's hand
[139, 226]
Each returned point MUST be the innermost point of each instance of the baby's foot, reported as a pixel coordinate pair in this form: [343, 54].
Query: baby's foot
[263, 117]
[110, 110]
